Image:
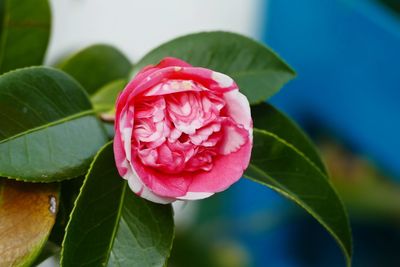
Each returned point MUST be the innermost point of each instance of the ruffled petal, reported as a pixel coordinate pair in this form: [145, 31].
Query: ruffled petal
[238, 108]
[201, 76]
[163, 184]
[226, 171]
[234, 136]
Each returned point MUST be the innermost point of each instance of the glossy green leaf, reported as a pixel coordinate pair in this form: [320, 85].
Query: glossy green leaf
[104, 99]
[48, 130]
[111, 226]
[27, 214]
[257, 70]
[268, 118]
[97, 65]
[281, 166]
[25, 31]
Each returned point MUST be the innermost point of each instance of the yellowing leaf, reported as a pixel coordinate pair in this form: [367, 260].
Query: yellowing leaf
[27, 214]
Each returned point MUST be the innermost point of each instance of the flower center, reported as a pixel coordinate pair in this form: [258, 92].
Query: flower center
[178, 132]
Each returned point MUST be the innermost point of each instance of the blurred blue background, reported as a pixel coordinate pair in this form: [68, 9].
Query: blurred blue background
[347, 56]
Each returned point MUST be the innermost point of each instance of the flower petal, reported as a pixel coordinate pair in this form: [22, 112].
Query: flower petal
[198, 75]
[226, 171]
[233, 138]
[141, 190]
[238, 108]
[195, 195]
[163, 184]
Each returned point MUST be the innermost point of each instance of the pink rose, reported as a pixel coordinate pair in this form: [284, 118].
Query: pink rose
[181, 132]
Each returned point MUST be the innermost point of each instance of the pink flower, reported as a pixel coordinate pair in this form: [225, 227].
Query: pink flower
[181, 132]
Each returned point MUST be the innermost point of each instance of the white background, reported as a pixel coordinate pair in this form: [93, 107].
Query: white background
[136, 26]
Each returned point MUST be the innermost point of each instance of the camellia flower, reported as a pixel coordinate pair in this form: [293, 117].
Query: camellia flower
[181, 132]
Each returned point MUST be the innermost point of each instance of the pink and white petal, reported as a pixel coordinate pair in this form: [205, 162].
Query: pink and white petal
[147, 194]
[211, 80]
[198, 75]
[223, 80]
[137, 186]
[119, 155]
[125, 129]
[226, 171]
[162, 184]
[153, 107]
[212, 140]
[174, 135]
[238, 108]
[148, 156]
[122, 132]
[185, 112]
[146, 72]
[234, 136]
[195, 195]
[212, 102]
[203, 134]
[174, 86]
[150, 132]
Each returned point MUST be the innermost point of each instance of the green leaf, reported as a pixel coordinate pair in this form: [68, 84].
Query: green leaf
[268, 118]
[27, 214]
[111, 226]
[104, 99]
[48, 130]
[97, 65]
[257, 70]
[25, 31]
[281, 166]
[109, 128]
